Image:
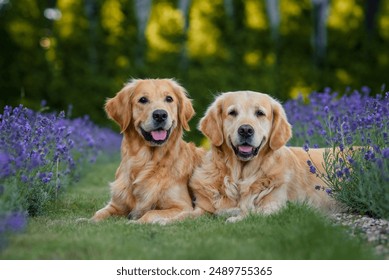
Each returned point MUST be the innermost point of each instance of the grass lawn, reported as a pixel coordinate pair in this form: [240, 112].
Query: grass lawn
[297, 232]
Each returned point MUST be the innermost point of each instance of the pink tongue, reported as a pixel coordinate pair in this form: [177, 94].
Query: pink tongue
[159, 135]
[245, 149]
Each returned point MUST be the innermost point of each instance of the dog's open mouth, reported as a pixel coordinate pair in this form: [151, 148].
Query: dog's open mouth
[157, 137]
[246, 151]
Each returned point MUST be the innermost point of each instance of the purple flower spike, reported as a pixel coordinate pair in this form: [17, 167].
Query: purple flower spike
[14, 222]
[328, 191]
[385, 153]
[40, 151]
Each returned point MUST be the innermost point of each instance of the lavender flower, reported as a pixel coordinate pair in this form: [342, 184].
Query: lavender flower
[385, 153]
[11, 222]
[35, 147]
[339, 173]
[15, 221]
[355, 176]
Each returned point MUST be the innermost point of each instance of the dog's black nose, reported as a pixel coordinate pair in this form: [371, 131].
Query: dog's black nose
[246, 130]
[160, 115]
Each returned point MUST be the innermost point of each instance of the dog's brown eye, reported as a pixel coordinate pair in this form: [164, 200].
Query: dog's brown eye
[169, 99]
[259, 113]
[233, 113]
[143, 100]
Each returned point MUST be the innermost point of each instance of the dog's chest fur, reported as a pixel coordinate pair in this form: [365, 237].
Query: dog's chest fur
[150, 177]
[245, 187]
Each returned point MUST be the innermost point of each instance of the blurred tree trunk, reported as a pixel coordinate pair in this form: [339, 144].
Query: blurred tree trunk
[273, 12]
[91, 13]
[142, 12]
[229, 8]
[320, 13]
[234, 35]
[371, 10]
[184, 7]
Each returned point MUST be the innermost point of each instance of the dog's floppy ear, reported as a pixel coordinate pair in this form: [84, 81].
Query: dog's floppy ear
[118, 108]
[185, 110]
[281, 129]
[211, 124]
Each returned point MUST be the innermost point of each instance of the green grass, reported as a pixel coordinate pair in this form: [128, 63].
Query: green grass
[297, 232]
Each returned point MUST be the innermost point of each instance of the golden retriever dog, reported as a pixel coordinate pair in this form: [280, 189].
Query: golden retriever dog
[249, 169]
[151, 182]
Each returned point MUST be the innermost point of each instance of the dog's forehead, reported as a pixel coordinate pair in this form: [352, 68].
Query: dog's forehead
[154, 87]
[246, 99]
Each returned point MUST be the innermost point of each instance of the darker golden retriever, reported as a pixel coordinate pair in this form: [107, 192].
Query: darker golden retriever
[151, 182]
[249, 169]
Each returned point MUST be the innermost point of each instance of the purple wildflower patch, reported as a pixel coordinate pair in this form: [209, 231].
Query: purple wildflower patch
[14, 221]
[39, 152]
[11, 222]
[354, 129]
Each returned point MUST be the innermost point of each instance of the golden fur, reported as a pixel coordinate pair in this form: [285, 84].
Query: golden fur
[151, 182]
[259, 173]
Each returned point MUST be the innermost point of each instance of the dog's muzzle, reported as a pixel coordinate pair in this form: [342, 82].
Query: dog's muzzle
[160, 116]
[245, 150]
[159, 135]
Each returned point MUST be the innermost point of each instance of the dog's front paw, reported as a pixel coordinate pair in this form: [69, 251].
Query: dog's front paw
[133, 222]
[161, 221]
[235, 219]
[134, 215]
[230, 212]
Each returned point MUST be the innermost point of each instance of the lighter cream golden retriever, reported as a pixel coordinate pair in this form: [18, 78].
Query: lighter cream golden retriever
[152, 180]
[249, 169]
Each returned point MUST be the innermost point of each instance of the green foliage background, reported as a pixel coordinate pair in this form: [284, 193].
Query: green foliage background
[88, 53]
